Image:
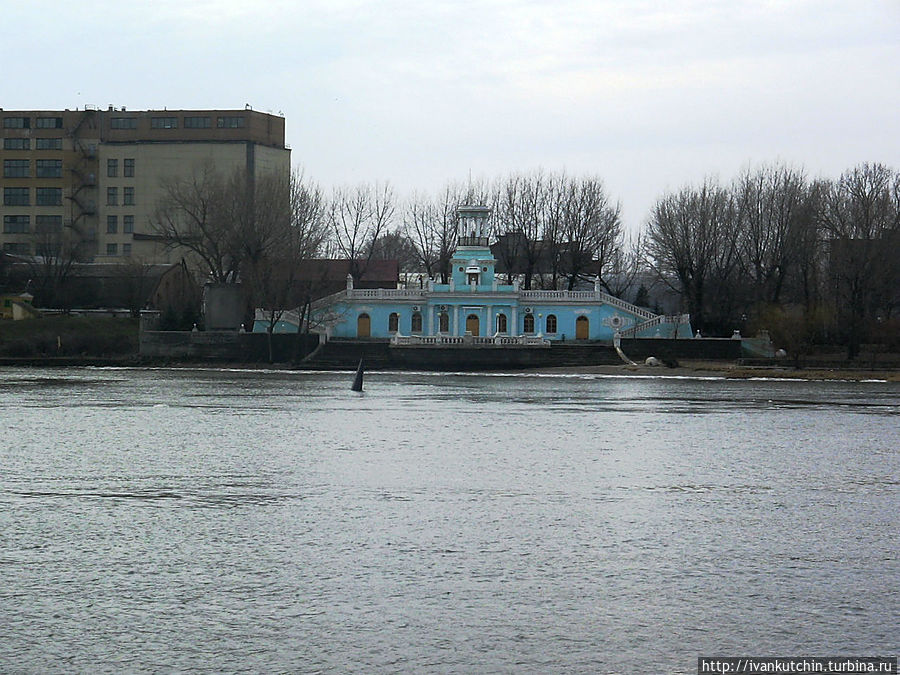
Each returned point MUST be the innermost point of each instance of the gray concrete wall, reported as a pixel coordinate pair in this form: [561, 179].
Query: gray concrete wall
[223, 307]
[225, 346]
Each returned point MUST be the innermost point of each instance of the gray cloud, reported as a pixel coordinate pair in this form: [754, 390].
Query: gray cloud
[647, 94]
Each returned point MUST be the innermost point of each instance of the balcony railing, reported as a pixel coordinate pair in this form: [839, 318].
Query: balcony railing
[391, 293]
[468, 341]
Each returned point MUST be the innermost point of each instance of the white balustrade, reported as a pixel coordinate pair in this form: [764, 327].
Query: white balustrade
[449, 340]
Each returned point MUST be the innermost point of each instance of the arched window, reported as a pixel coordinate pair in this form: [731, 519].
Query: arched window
[393, 322]
[501, 323]
[529, 323]
[444, 322]
[417, 322]
[551, 323]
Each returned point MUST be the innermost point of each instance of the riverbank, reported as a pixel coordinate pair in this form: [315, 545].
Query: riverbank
[709, 369]
[735, 370]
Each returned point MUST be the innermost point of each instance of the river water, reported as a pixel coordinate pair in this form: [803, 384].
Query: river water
[247, 521]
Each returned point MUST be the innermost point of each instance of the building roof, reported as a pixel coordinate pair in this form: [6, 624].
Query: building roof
[321, 277]
[375, 273]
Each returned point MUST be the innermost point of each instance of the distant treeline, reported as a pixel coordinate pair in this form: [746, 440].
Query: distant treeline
[810, 260]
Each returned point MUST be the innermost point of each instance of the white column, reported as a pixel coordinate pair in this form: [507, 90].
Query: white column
[454, 330]
[429, 311]
[491, 328]
[513, 327]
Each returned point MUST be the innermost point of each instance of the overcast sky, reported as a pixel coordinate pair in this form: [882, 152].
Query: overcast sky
[648, 95]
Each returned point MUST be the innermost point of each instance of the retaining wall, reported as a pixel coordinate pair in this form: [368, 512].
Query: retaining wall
[225, 346]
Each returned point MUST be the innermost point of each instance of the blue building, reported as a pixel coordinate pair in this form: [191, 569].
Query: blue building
[474, 307]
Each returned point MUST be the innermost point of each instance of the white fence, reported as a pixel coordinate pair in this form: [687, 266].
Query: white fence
[468, 341]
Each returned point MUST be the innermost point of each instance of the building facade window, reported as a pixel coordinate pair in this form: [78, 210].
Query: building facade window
[128, 167]
[128, 196]
[48, 196]
[197, 122]
[417, 322]
[444, 322]
[16, 143]
[123, 123]
[528, 323]
[16, 123]
[501, 323]
[551, 323]
[15, 168]
[393, 322]
[126, 249]
[48, 168]
[16, 197]
[48, 144]
[16, 224]
[163, 122]
[112, 224]
[16, 248]
[47, 224]
[112, 249]
[112, 196]
[128, 224]
[112, 168]
[48, 123]
[230, 122]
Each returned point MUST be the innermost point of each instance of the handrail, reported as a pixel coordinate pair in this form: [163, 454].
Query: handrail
[395, 293]
[676, 319]
[631, 331]
[588, 295]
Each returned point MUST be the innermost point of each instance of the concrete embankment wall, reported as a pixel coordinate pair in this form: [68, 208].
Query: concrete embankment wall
[712, 349]
[379, 354]
[225, 346]
[345, 354]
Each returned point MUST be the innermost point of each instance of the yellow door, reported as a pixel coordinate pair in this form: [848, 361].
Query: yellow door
[582, 328]
[472, 324]
[363, 326]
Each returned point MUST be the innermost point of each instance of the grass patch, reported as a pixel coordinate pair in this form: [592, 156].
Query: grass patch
[69, 336]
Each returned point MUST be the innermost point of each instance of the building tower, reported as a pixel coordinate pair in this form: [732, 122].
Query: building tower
[472, 226]
[473, 263]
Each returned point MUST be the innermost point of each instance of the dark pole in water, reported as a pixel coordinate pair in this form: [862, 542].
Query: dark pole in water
[357, 383]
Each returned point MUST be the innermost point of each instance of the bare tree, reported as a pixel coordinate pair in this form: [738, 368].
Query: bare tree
[431, 226]
[690, 235]
[593, 232]
[395, 245]
[193, 214]
[522, 201]
[861, 218]
[57, 250]
[622, 267]
[284, 239]
[430, 223]
[771, 206]
[357, 217]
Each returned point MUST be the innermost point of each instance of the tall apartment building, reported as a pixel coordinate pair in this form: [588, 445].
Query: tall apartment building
[95, 176]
